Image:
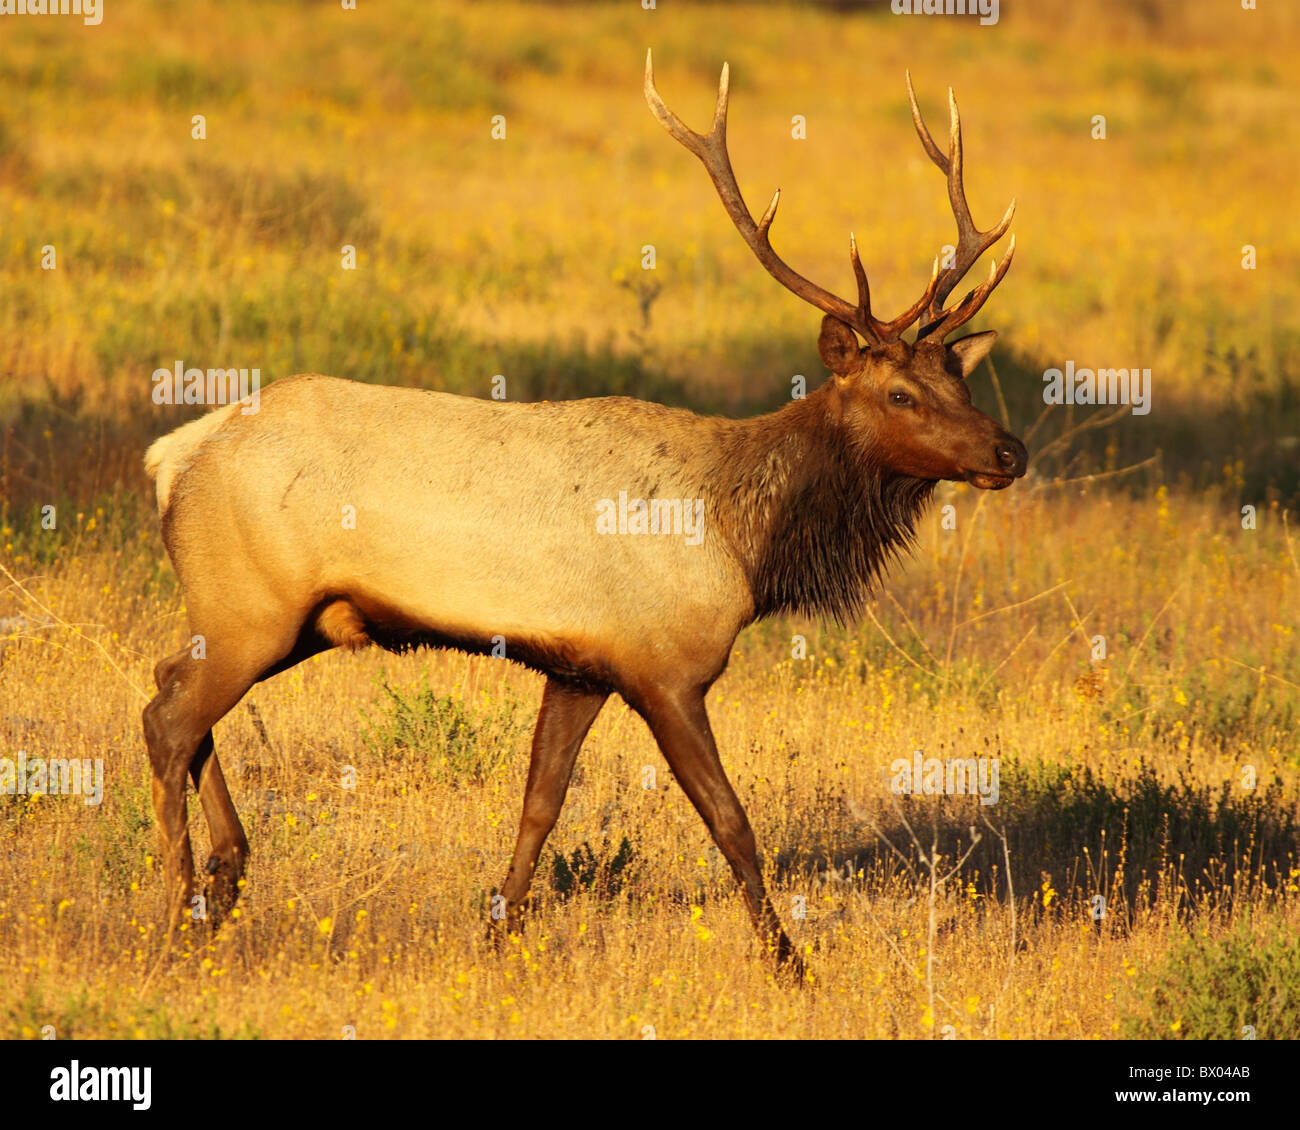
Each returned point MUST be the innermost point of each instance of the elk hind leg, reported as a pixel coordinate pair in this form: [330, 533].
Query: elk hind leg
[166, 741]
[565, 716]
[224, 869]
[337, 625]
[193, 694]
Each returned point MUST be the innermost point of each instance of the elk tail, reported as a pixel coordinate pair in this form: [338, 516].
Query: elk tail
[168, 456]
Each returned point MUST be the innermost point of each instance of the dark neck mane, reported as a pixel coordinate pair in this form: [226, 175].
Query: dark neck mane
[810, 513]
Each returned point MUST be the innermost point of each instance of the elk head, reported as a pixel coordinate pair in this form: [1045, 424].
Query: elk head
[904, 404]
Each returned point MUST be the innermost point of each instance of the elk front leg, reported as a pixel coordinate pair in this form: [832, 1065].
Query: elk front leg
[565, 716]
[681, 727]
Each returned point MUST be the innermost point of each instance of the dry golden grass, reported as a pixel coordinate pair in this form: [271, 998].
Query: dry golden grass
[366, 907]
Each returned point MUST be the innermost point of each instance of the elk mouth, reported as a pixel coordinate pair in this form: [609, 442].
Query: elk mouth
[986, 480]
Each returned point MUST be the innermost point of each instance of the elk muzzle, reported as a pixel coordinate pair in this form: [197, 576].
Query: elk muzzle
[1008, 462]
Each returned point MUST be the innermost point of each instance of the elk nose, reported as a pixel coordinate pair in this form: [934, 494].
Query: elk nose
[1011, 456]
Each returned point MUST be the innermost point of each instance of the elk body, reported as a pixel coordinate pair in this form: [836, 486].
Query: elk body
[345, 514]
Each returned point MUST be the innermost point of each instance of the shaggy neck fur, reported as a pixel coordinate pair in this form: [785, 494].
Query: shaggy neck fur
[811, 512]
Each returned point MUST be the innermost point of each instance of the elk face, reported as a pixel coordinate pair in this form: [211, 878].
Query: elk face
[910, 406]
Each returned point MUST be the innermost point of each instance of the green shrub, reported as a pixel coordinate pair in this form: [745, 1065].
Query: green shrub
[583, 869]
[459, 740]
[1217, 990]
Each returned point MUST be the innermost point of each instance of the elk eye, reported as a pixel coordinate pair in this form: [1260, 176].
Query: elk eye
[900, 398]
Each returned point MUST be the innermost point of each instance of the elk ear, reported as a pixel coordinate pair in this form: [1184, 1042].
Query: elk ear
[838, 346]
[971, 350]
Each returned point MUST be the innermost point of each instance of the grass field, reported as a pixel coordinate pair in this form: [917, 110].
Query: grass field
[1157, 767]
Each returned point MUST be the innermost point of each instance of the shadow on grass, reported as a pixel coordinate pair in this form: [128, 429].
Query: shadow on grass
[1250, 436]
[1137, 841]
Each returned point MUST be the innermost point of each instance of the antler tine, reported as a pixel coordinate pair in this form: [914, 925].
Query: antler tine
[724, 93]
[937, 155]
[711, 149]
[971, 242]
[699, 144]
[860, 274]
[907, 317]
[966, 309]
[887, 331]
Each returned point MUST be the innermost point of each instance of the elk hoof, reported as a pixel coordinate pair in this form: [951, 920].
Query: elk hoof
[790, 966]
[222, 888]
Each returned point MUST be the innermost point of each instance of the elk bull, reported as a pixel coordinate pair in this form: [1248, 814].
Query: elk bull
[475, 519]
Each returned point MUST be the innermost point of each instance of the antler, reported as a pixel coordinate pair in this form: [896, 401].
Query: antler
[711, 149]
[971, 242]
